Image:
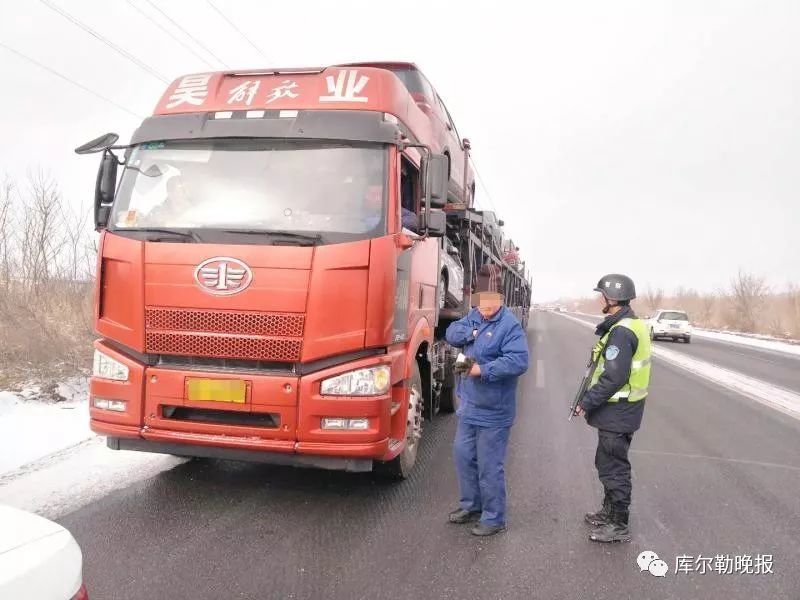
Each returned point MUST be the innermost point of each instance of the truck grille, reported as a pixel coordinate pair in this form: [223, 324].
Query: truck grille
[224, 334]
[175, 319]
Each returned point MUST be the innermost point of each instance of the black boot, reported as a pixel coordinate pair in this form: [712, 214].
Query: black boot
[460, 516]
[600, 517]
[615, 530]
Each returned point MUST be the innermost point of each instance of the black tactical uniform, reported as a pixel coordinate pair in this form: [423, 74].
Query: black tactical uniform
[615, 416]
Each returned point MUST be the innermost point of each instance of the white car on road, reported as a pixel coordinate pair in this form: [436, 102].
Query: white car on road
[672, 324]
[39, 559]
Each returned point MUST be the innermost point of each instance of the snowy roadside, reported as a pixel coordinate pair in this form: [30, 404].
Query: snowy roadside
[761, 391]
[744, 339]
[51, 463]
[68, 480]
[761, 342]
[31, 429]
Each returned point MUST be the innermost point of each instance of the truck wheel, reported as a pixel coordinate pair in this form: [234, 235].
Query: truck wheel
[400, 467]
[688, 339]
[652, 335]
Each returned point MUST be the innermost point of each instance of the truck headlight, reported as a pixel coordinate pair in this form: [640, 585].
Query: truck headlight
[106, 367]
[373, 381]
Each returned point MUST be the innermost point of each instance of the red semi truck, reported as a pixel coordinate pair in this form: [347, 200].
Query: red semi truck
[277, 264]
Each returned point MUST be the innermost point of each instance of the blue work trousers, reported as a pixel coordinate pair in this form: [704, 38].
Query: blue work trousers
[480, 455]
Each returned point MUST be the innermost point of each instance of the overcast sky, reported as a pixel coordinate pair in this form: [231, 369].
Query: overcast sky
[659, 139]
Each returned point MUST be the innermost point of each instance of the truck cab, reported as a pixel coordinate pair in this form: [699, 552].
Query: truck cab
[269, 281]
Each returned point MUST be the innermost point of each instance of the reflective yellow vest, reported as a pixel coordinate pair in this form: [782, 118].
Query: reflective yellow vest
[636, 387]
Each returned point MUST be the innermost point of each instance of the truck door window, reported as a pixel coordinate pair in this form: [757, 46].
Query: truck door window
[409, 185]
[409, 194]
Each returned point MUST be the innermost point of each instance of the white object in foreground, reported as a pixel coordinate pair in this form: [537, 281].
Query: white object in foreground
[39, 559]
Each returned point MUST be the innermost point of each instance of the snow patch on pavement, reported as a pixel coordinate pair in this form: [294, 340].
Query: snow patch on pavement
[766, 393]
[753, 342]
[771, 395]
[64, 482]
[51, 462]
[30, 429]
[740, 339]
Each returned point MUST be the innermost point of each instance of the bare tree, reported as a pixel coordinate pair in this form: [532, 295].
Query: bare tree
[793, 302]
[706, 312]
[41, 233]
[653, 299]
[47, 261]
[747, 295]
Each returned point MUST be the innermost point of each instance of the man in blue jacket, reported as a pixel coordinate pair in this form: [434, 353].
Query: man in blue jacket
[496, 352]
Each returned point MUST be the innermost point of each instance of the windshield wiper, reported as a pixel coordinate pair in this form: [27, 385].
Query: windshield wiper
[186, 235]
[308, 238]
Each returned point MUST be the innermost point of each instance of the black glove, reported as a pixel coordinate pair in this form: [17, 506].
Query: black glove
[465, 366]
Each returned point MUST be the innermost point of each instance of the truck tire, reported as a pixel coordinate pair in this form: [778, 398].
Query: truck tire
[401, 466]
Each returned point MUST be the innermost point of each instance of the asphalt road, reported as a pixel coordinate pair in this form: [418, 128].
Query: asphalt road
[714, 473]
[774, 367]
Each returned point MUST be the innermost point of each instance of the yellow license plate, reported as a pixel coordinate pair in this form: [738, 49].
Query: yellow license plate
[216, 390]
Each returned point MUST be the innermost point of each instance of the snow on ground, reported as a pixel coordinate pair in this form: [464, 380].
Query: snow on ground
[764, 392]
[739, 339]
[772, 395]
[64, 482]
[30, 429]
[761, 342]
[50, 461]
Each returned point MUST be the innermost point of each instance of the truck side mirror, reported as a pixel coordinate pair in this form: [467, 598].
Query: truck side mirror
[435, 168]
[501, 222]
[433, 223]
[104, 190]
[98, 144]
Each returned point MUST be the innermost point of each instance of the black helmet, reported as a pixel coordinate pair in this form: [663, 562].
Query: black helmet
[616, 287]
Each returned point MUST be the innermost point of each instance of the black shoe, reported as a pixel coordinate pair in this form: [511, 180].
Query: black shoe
[484, 530]
[614, 530]
[610, 533]
[600, 517]
[596, 519]
[461, 516]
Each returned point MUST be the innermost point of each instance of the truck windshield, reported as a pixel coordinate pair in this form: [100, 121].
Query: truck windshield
[254, 185]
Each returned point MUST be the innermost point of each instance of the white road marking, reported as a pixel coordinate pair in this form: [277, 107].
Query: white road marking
[761, 391]
[540, 373]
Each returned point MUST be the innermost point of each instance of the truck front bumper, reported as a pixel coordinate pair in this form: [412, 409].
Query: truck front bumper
[274, 456]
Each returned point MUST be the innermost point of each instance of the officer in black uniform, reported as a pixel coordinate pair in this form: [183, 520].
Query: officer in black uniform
[614, 403]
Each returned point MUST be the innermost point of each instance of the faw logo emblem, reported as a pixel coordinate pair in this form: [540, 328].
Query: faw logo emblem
[223, 276]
